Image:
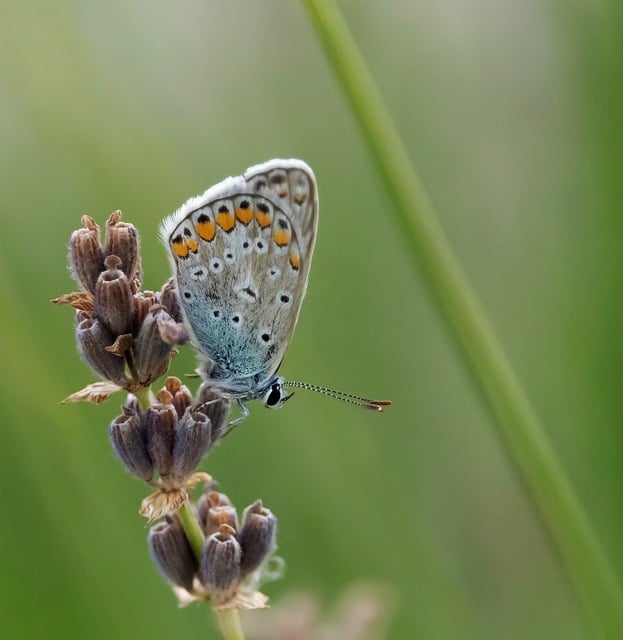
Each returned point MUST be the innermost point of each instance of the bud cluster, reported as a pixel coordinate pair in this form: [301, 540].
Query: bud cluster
[232, 555]
[125, 335]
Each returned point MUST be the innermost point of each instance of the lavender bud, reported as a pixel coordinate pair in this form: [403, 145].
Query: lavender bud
[168, 297]
[256, 537]
[143, 302]
[151, 354]
[86, 258]
[92, 338]
[172, 553]
[182, 397]
[192, 441]
[222, 514]
[114, 301]
[171, 331]
[220, 564]
[160, 425]
[122, 241]
[215, 406]
[128, 440]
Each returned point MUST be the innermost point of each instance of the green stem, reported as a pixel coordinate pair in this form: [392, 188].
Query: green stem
[143, 395]
[430, 251]
[192, 529]
[229, 623]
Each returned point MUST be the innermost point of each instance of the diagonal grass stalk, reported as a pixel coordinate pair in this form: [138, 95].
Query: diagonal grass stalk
[518, 424]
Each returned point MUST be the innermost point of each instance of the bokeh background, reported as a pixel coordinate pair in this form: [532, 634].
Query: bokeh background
[512, 113]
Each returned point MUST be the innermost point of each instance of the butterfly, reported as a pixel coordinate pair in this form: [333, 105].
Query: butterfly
[241, 254]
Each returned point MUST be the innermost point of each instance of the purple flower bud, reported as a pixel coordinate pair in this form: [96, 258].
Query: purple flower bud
[172, 553]
[122, 241]
[220, 564]
[160, 424]
[143, 302]
[114, 300]
[215, 406]
[192, 441]
[256, 537]
[86, 258]
[151, 353]
[92, 338]
[128, 440]
[168, 297]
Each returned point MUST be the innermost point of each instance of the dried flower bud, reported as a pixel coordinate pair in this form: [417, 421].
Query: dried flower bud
[128, 440]
[168, 297]
[211, 402]
[160, 424]
[209, 499]
[151, 354]
[256, 537]
[192, 441]
[122, 241]
[182, 397]
[92, 338]
[220, 564]
[86, 258]
[216, 516]
[172, 553]
[114, 301]
[143, 302]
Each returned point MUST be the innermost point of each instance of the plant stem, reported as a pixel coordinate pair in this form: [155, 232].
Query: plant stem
[430, 250]
[192, 529]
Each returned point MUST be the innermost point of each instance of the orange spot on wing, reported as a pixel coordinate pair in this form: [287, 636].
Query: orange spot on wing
[263, 219]
[206, 230]
[244, 215]
[180, 248]
[225, 220]
[295, 260]
[192, 245]
[281, 237]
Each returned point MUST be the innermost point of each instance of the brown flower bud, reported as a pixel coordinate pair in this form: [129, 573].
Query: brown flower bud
[160, 424]
[122, 240]
[172, 553]
[256, 537]
[143, 302]
[216, 516]
[92, 338]
[220, 564]
[182, 397]
[151, 353]
[86, 257]
[127, 438]
[168, 297]
[192, 441]
[211, 402]
[114, 301]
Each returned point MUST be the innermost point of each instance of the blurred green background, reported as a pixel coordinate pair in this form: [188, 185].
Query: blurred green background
[511, 111]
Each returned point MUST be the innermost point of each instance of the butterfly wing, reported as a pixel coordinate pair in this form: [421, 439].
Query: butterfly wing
[241, 255]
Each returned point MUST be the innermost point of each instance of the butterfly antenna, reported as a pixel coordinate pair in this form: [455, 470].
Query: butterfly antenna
[358, 401]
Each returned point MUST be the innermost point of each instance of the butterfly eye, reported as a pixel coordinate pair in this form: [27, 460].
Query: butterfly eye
[274, 396]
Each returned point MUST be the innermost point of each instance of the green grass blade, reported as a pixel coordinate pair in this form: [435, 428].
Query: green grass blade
[513, 414]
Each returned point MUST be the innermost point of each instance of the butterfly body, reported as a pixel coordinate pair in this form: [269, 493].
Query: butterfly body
[241, 255]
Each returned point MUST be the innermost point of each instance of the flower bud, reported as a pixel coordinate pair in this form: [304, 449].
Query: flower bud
[143, 302]
[220, 564]
[172, 553]
[209, 499]
[256, 537]
[160, 424]
[86, 258]
[122, 241]
[128, 440]
[182, 397]
[192, 441]
[168, 297]
[92, 338]
[114, 301]
[151, 353]
[215, 406]
[221, 514]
